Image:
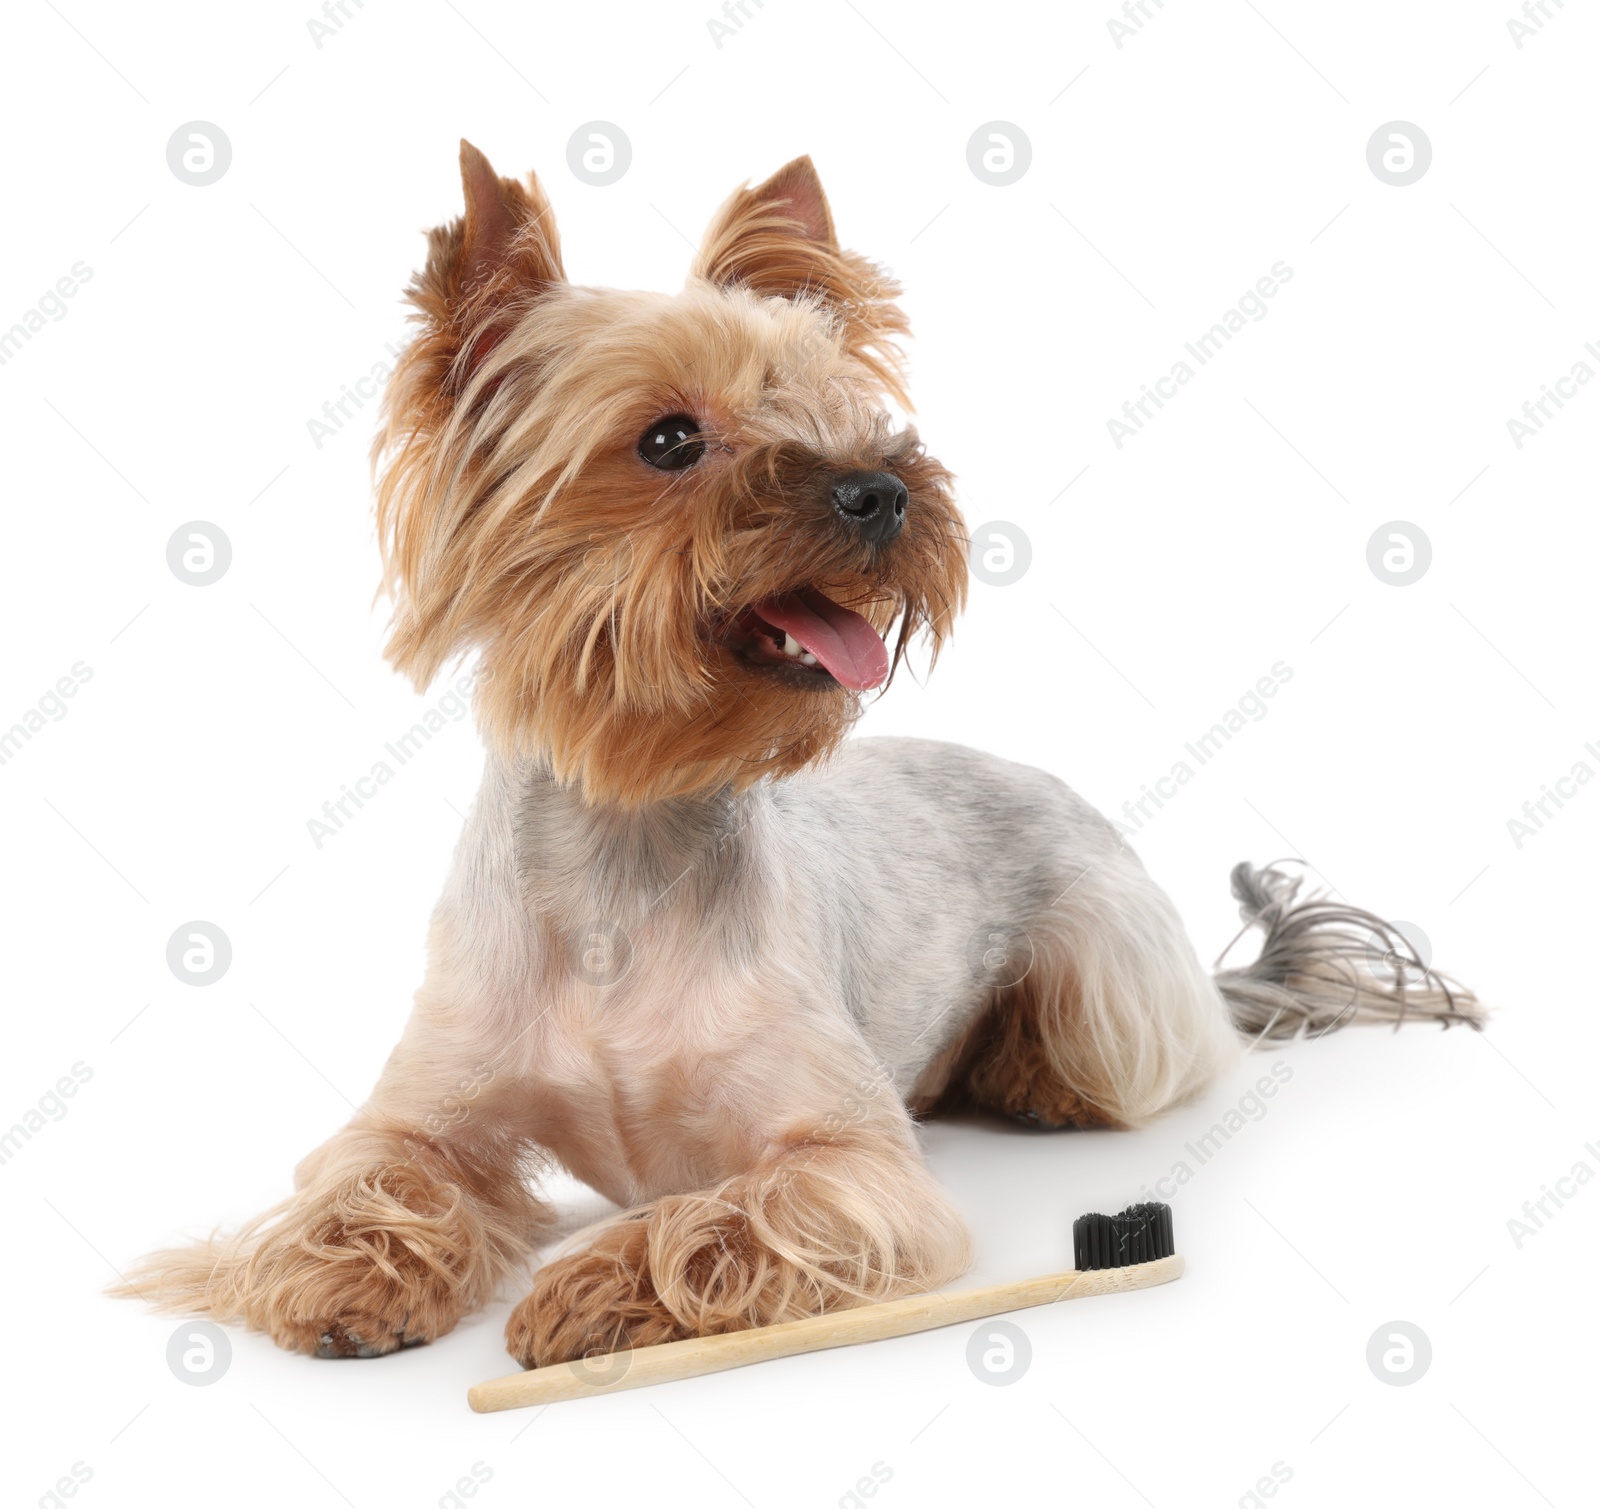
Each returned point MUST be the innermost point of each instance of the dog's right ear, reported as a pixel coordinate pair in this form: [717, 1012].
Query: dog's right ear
[499, 253]
[485, 269]
[508, 228]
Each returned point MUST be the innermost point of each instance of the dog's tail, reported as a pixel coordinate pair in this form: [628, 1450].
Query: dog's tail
[1324, 965]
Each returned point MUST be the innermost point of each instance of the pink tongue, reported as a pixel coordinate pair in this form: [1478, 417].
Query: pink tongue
[846, 644]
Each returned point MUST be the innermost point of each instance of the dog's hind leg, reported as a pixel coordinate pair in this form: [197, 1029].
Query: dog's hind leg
[1113, 1020]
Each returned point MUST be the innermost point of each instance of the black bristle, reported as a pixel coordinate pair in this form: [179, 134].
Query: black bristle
[1140, 1234]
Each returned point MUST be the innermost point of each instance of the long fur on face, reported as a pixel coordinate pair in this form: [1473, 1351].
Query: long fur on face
[516, 516]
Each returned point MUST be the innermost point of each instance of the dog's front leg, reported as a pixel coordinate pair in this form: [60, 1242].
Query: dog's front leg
[835, 1209]
[408, 1218]
[401, 1223]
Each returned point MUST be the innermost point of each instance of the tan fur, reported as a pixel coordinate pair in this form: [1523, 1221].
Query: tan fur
[835, 1220]
[753, 243]
[694, 948]
[1005, 1063]
[1091, 1034]
[515, 518]
[404, 1221]
[386, 1242]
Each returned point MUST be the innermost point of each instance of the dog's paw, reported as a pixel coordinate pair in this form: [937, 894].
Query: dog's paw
[348, 1336]
[362, 1336]
[592, 1304]
[362, 1270]
[374, 1321]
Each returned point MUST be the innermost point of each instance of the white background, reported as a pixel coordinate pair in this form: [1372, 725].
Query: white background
[1167, 175]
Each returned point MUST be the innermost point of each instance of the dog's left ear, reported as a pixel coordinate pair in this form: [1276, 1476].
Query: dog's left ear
[777, 239]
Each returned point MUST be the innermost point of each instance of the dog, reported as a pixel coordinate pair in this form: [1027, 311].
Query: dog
[697, 947]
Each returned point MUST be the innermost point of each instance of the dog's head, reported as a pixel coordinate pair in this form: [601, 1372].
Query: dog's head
[677, 527]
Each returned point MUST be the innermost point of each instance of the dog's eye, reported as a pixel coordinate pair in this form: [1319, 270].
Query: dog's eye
[672, 443]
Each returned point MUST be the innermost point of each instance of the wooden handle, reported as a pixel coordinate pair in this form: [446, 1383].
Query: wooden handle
[610, 1372]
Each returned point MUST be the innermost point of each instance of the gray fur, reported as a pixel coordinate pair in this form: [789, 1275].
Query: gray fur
[1317, 970]
[878, 868]
[862, 889]
[853, 899]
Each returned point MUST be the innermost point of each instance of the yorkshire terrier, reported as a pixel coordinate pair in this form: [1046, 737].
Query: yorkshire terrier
[697, 948]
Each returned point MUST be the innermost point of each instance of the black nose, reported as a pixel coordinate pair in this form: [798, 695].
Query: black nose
[875, 502]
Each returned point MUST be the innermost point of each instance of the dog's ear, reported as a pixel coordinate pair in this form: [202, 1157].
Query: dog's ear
[508, 228]
[502, 251]
[485, 269]
[777, 239]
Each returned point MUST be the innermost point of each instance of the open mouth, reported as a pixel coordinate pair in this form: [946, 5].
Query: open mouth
[808, 640]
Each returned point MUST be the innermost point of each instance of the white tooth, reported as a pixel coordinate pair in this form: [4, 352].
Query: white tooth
[808, 658]
[791, 645]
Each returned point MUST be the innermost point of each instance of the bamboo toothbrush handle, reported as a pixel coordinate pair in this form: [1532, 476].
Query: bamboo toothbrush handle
[897, 1317]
